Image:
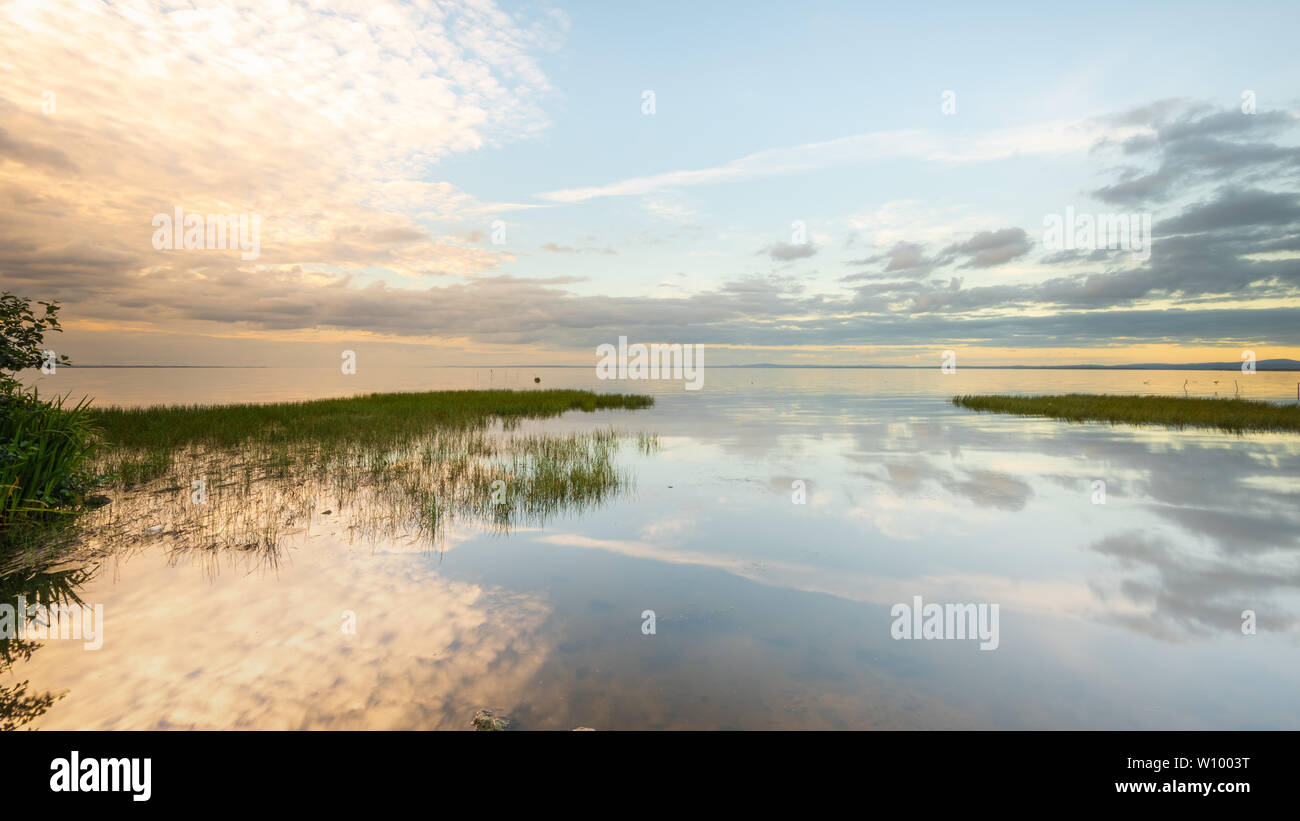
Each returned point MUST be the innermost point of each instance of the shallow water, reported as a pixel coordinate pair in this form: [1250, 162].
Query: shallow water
[768, 613]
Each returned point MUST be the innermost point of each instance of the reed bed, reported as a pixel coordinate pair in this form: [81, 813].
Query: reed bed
[1235, 415]
[241, 478]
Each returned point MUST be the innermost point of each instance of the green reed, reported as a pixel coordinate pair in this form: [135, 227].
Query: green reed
[1235, 415]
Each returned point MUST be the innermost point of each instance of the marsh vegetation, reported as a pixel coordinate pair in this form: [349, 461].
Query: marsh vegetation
[241, 477]
[229, 487]
[1235, 415]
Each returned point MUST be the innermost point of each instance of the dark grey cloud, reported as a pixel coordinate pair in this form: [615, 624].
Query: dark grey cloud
[989, 248]
[1075, 256]
[1223, 204]
[1200, 146]
[1137, 188]
[1156, 112]
[1235, 208]
[1225, 123]
[911, 260]
[904, 259]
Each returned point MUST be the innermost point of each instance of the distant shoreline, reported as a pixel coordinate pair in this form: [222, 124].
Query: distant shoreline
[1280, 366]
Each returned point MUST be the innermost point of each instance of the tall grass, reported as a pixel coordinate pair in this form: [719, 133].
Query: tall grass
[45, 447]
[1235, 415]
[376, 415]
[144, 440]
[401, 466]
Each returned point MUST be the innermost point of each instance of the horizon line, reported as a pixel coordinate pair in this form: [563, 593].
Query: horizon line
[1263, 364]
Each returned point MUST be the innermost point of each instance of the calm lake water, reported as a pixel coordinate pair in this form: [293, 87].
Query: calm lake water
[768, 613]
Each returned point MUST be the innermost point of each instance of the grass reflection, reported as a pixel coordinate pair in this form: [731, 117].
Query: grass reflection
[241, 478]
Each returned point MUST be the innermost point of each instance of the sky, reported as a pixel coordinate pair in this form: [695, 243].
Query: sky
[517, 183]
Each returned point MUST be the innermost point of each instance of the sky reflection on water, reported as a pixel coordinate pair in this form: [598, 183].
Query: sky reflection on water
[770, 614]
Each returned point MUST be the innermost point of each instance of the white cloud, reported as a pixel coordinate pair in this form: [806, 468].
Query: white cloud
[668, 208]
[910, 221]
[1052, 138]
[326, 121]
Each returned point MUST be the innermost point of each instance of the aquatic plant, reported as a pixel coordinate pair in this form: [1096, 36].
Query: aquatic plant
[392, 465]
[1235, 415]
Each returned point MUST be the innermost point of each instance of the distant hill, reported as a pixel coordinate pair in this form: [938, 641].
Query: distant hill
[1261, 365]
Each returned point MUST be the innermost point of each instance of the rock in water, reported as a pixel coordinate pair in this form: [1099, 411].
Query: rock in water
[488, 721]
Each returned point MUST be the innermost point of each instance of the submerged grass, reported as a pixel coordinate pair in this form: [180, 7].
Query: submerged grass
[143, 441]
[1235, 415]
[400, 464]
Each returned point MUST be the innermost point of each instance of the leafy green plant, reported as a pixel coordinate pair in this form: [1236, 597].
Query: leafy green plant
[45, 446]
[22, 338]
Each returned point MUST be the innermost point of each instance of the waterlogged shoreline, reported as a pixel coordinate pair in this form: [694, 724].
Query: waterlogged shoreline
[240, 487]
[409, 461]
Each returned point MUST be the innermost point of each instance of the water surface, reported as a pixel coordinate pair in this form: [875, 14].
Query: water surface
[769, 614]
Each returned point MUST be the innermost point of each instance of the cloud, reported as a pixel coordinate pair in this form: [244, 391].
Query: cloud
[1134, 188]
[1074, 256]
[30, 153]
[668, 208]
[1046, 139]
[564, 249]
[1228, 241]
[986, 249]
[755, 311]
[787, 252]
[989, 248]
[1236, 208]
[907, 259]
[332, 126]
[1191, 144]
[328, 123]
